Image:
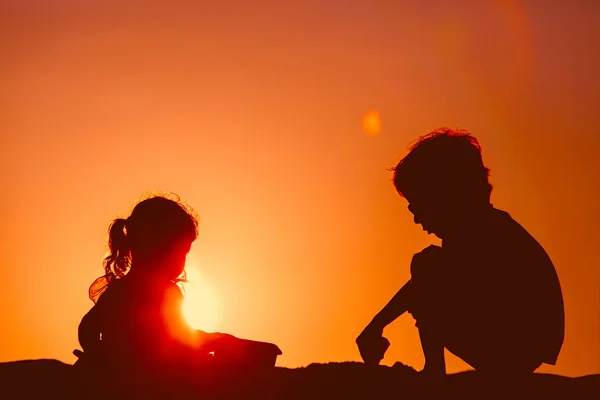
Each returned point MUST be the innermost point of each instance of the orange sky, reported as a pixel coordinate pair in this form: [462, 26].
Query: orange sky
[251, 111]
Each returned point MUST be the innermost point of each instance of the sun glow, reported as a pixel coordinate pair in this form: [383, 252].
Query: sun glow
[200, 305]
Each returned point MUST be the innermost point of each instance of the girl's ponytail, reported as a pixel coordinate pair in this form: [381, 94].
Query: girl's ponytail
[118, 262]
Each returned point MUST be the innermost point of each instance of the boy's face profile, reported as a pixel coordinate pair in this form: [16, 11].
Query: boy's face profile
[444, 180]
[432, 215]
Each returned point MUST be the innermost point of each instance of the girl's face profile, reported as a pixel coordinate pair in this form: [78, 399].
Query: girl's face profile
[171, 262]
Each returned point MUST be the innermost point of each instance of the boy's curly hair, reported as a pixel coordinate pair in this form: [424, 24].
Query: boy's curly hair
[442, 162]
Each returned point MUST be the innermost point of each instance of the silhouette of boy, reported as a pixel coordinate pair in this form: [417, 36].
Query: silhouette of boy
[490, 293]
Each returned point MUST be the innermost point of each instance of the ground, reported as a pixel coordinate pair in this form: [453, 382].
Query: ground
[37, 379]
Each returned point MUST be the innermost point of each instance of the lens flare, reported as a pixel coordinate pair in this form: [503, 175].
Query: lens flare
[371, 123]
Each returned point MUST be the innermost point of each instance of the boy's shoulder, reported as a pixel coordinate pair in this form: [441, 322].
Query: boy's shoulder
[506, 238]
[496, 236]
[502, 226]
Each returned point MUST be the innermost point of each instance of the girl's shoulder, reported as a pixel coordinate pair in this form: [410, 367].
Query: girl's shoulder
[173, 291]
[113, 293]
[126, 291]
[153, 291]
[100, 286]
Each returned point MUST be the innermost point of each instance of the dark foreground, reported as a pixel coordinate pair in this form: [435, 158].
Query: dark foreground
[51, 379]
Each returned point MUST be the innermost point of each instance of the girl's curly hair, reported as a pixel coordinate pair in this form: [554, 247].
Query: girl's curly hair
[158, 220]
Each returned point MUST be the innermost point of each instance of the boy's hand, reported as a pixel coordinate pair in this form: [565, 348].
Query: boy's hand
[78, 353]
[372, 346]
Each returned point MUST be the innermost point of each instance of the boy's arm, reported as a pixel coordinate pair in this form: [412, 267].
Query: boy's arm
[371, 343]
[397, 306]
[400, 303]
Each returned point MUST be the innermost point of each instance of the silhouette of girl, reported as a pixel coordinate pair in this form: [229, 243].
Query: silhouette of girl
[136, 329]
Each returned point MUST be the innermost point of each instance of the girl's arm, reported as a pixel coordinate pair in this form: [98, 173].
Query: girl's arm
[185, 335]
[89, 331]
[179, 329]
